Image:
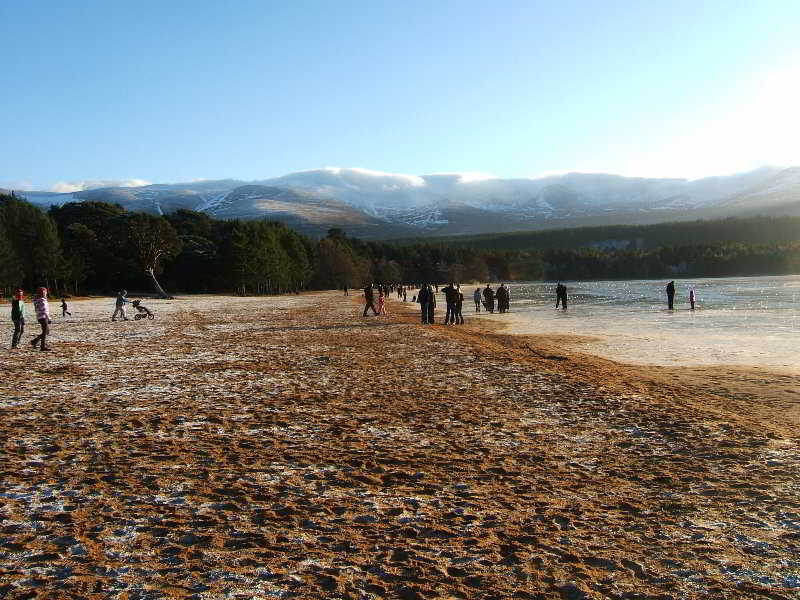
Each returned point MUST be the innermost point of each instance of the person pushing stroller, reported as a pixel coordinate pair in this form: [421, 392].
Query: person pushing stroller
[122, 300]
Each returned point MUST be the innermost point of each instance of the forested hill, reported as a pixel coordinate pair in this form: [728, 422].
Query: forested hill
[95, 247]
[742, 230]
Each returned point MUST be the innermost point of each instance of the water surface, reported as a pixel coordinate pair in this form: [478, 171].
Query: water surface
[747, 321]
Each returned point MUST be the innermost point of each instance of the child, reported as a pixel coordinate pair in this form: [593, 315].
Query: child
[381, 304]
[18, 317]
[64, 311]
[43, 316]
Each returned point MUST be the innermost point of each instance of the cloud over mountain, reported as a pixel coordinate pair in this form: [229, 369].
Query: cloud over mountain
[378, 204]
[94, 184]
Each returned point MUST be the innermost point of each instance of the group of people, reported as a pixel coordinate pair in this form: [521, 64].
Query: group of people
[426, 298]
[41, 309]
[671, 296]
[502, 297]
[369, 300]
[454, 300]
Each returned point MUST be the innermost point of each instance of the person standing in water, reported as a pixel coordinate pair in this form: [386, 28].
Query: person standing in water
[488, 296]
[561, 295]
[476, 296]
[671, 295]
[18, 317]
[42, 308]
[691, 297]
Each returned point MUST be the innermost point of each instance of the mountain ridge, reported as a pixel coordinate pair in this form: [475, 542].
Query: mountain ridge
[374, 204]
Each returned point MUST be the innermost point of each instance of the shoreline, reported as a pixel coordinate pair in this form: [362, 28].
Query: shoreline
[776, 391]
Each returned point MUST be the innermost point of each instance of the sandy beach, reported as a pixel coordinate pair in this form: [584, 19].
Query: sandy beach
[286, 447]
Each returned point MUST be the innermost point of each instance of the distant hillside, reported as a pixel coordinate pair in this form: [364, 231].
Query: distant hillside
[746, 230]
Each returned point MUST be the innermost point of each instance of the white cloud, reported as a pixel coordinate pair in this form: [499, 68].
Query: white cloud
[356, 172]
[467, 176]
[80, 186]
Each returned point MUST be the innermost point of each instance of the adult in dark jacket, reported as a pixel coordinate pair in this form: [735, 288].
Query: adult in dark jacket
[502, 298]
[18, 317]
[369, 300]
[451, 297]
[488, 297]
[561, 296]
[427, 304]
[459, 305]
[671, 295]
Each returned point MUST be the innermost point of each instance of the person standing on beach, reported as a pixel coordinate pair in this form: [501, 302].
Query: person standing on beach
[381, 303]
[369, 300]
[691, 297]
[64, 311]
[459, 305]
[346, 293]
[18, 317]
[424, 298]
[42, 308]
[671, 295]
[450, 298]
[488, 297]
[476, 296]
[122, 300]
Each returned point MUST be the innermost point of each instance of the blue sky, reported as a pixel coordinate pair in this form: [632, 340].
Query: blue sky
[176, 91]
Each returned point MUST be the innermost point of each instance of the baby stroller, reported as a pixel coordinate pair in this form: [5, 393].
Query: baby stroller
[142, 312]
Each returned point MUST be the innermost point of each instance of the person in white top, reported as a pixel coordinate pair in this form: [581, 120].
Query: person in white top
[43, 316]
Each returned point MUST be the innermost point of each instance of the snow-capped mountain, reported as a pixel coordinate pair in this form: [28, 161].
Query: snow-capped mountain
[375, 204]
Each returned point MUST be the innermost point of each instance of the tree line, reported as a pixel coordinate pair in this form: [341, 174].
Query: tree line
[96, 247]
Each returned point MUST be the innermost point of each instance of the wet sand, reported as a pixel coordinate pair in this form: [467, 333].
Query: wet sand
[288, 448]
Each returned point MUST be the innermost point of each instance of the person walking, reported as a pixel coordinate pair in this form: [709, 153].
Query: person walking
[476, 296]
[488, 297]
[381, 303]
[42, 309]
[671, 295]
[18, 317]
[369, 300]
[64, 311]
[691, 297]
[122, 300]
[459, 305]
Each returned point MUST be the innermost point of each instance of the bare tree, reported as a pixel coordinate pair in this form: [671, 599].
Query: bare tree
[153, 239]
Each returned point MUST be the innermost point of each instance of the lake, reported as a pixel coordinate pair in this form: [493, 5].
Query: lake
[747, 321]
